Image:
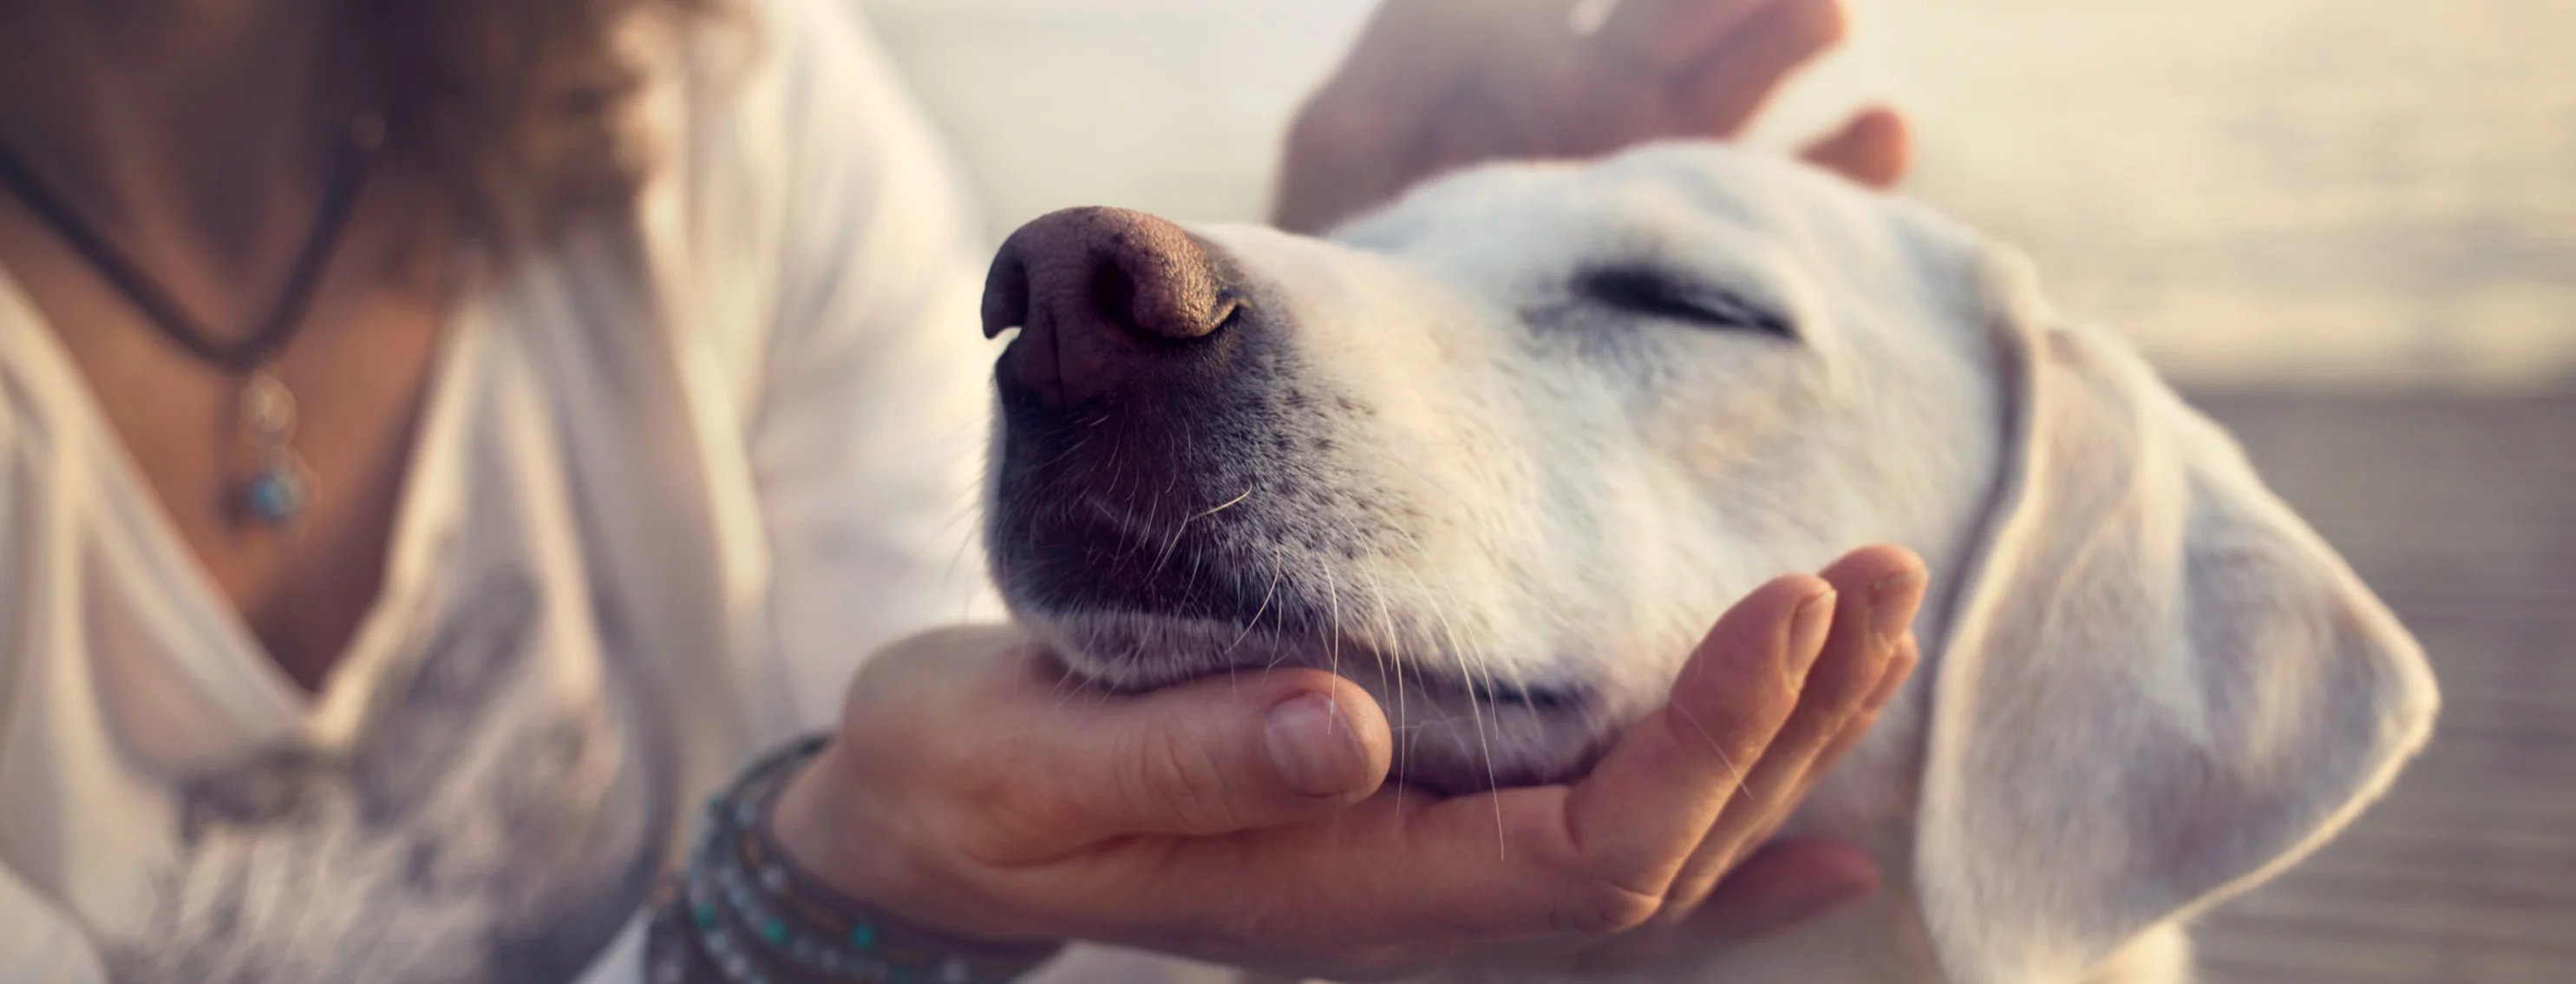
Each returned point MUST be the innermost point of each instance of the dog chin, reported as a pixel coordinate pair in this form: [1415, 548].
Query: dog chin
[1453, 736]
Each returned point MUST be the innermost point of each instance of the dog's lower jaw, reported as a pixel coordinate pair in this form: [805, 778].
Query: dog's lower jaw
[1455, 731]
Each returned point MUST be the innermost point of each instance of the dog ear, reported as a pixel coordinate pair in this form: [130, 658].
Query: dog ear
[2159, 686]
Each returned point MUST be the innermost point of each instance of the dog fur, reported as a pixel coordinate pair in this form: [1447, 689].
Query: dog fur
[1502, 451]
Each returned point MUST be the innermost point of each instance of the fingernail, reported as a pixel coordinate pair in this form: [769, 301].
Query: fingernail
[1807, 628]
[1892, 604]
[1315, 751]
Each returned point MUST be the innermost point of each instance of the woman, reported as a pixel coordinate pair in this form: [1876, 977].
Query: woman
[443, 441]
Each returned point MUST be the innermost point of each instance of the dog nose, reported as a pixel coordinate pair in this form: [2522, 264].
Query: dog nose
[1106, 300]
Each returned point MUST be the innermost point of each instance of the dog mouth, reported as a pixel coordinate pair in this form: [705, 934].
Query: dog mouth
[1456, 732]
[1132, 624]
[1172, 650]
[1131, 614]
[1198, 578]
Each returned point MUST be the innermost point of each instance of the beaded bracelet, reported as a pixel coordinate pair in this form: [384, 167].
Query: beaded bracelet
[744, 913]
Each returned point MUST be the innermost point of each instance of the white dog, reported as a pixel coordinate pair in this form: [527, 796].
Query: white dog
[1503, 451]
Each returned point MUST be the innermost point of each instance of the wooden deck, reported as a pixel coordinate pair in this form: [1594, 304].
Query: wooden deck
[2462, 513]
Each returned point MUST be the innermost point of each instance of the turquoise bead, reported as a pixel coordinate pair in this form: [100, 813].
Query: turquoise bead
[774, 932]
[706, 914]
[274, 496]
[864, 937]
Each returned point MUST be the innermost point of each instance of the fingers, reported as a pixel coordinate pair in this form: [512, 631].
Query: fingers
[1726, 708]
[1433, 85]
[1882, 588]
[1205, 758]
[1585, 858]
[1732, 80]
[1359, 139]
[1474, 126]
[1900, 667]
[1782, 885]
[1873, 149]
[1672, 34]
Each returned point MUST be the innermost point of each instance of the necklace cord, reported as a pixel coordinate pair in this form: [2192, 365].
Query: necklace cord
[235, 356]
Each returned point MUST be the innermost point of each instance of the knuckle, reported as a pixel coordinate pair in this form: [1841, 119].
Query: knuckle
[1167, 774]
[978, 809]
[997, 814]
[1001, 828]
[1771, 699]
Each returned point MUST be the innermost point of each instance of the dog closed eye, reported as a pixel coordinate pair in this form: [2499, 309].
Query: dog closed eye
[1650, 293]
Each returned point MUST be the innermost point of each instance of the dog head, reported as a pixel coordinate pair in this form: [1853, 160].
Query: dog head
[1502, 451]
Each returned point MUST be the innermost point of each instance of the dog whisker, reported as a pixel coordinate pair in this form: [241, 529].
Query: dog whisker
[1386, 621]
[1266, 597]
[1183, 528]
[1743, 781]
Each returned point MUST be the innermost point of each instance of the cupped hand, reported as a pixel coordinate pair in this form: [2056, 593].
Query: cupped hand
[1246, 820]
[1435, 85]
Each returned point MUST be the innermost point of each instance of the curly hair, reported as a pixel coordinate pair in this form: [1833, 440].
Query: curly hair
[515, 108]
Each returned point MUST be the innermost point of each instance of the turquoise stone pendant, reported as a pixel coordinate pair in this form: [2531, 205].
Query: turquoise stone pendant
[276, 494]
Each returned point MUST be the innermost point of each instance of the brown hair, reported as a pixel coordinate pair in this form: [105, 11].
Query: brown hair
[515, 107]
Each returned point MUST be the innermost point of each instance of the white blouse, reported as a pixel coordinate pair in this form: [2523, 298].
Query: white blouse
[675, 480]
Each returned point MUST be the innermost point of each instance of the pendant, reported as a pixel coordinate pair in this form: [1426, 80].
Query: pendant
[275, 496]
[276, 493]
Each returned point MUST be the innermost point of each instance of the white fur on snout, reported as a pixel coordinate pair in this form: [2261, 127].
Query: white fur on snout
[1421, 407]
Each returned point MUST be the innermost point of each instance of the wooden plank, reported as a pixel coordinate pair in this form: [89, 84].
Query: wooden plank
[2461, 512]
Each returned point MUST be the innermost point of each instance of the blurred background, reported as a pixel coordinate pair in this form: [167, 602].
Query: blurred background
[2347, 228]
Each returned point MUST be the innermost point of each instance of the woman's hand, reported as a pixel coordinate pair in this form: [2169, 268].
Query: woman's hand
[1242, 819]
[1435, 85]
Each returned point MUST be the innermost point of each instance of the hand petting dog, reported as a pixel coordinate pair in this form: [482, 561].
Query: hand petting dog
[1436, 85]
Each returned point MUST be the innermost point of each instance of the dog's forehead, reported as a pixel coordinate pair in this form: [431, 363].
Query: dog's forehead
[1751, 221]
[1666, 195]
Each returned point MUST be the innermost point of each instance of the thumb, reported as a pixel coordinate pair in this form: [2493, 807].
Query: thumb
[1217, 755]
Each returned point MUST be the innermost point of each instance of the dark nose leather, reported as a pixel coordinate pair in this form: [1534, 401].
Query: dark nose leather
[1108, 301]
